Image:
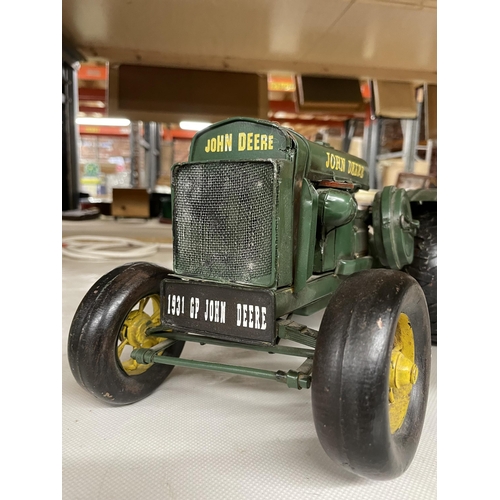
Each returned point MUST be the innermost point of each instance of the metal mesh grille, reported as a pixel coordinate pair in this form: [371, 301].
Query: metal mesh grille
[222, 220]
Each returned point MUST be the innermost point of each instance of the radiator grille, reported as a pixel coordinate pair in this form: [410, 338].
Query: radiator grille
[223, 221]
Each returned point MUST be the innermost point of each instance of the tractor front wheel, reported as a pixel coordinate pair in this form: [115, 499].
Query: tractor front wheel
[111, 320]
[370, 378]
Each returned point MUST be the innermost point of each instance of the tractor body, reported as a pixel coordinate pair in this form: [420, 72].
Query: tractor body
[265, 223]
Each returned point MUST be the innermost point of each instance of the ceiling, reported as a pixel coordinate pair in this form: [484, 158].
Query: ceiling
[366, 39]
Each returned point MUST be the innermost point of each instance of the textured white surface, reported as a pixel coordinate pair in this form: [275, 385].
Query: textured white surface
[208, 435]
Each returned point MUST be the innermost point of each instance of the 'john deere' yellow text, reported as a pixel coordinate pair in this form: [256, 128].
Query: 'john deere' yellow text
[355, 169]
[335, 162]
[250, 141]
[247, 141]
[219, 143]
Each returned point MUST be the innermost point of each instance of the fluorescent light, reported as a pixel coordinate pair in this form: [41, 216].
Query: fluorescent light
[194, 125]
[113, 122]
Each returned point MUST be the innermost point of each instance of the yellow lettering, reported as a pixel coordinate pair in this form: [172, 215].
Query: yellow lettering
[249, 141]
[221, 143]
[355, 169]
[335, 162]
[242, 140]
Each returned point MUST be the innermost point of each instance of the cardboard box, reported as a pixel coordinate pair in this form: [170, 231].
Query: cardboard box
[390, 170]
[131, 202]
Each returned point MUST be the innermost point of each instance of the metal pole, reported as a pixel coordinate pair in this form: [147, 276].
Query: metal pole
[135, 152]
[152, 145]
[70, 177]
[428, 151]
[410, 136]
[151, 173]
[373, 154]
[367, 131]
[349, 129]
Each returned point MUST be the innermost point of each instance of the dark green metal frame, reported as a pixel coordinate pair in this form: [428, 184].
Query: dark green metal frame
[310, 261]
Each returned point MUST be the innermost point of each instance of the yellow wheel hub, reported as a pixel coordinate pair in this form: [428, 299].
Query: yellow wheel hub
[403, 374]
[145, 314]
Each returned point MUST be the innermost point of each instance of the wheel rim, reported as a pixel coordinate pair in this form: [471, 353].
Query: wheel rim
[144, 315]
[403, 373]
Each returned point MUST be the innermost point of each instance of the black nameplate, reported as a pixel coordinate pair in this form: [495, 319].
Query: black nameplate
[227, 312]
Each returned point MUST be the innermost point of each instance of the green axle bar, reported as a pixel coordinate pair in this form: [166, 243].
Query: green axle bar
[277, 349]
[297, 379]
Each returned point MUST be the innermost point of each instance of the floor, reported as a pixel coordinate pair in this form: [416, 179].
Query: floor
[206, 435]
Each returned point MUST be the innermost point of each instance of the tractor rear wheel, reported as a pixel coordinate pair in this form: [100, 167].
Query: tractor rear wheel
[424, 265]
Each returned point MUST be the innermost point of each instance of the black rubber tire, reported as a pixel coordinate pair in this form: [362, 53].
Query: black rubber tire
[424, 265]
[95, 328]
[350, 378]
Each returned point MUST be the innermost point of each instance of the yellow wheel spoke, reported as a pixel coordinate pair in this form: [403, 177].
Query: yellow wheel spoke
[130, 365]
[123, 332]
[119, 349]
[155, 318]
[142, 304]
[133, 332]
[155, 315]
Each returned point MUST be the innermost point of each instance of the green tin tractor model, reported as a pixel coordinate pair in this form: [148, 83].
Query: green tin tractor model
[266, 225]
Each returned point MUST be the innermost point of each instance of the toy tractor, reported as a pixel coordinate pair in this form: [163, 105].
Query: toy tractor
[266, 225]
